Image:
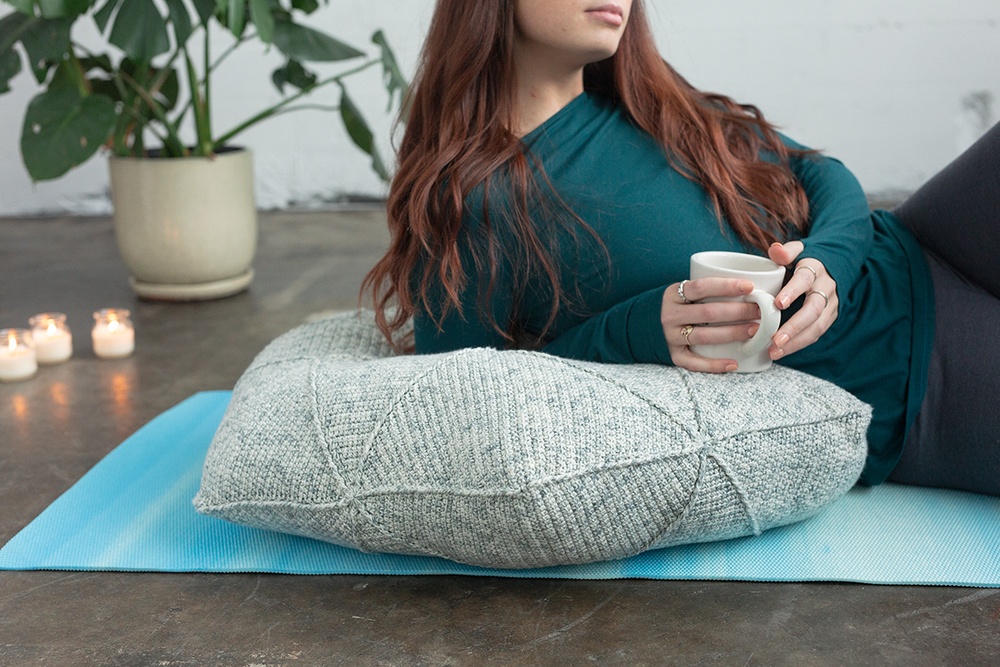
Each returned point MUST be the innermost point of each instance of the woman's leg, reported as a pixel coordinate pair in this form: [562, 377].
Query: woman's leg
[955, 442]
[956, 215]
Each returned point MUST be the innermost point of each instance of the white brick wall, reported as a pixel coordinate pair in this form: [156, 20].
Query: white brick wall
[895, 88]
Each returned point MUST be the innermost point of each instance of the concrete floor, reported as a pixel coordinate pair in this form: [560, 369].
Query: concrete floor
[57, 426]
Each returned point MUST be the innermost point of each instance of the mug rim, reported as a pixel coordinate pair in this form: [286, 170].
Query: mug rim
[758, 264]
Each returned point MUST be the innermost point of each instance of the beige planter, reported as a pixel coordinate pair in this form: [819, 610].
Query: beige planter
[186, 227]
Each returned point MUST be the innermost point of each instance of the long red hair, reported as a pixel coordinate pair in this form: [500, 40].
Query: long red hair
[458, 139]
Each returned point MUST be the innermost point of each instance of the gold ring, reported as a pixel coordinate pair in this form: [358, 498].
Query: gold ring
[826, 299]
[809, 268]
[680, 292]
[686, 331]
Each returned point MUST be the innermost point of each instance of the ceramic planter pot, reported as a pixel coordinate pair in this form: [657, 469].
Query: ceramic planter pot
[186, 227]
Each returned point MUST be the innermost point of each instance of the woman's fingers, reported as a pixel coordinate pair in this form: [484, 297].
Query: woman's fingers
[691, 334]
[708, 288]
[685, 315]
[685, 358]
[689, 321]
[806, 326]
[783, 254]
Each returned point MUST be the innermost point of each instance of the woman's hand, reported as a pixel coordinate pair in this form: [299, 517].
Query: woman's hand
[683, 320]
[821, 305]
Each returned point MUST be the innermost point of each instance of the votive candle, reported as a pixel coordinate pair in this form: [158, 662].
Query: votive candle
[17, 355]
[113, 334]
[53, 340]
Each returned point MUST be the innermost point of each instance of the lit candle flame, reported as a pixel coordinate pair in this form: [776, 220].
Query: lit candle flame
[113, 325]
[11, 342]
[52, 329]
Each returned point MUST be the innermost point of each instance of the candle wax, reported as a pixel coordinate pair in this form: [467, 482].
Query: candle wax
[52, 345]
[113, 342]
[17, 363]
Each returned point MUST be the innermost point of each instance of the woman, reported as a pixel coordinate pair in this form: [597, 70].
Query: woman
[556, 175]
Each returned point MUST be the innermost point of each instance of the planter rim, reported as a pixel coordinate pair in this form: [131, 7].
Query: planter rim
[227, 152]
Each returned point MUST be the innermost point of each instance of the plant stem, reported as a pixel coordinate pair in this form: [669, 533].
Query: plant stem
[207, 87]
[211, 68]
[278, 108]
[173, 141]
[225, 54]
[199, 108]
[303, 107]
[77, 71]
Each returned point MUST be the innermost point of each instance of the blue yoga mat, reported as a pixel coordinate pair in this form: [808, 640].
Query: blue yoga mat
[133, 512]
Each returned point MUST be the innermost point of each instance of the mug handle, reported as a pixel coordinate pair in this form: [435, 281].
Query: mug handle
[770, 320]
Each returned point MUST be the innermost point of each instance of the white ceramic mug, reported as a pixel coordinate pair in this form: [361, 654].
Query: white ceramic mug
[751, 355]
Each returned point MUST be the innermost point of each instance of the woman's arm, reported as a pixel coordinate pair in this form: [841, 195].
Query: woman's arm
[827, 262]
[840, 230]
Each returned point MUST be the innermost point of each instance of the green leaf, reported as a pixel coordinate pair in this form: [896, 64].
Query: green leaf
[10, 66]
[12, 27]
[23, 6]
[304, 43]
[360, 133]
[392, 76]
[47, 42]
[103, 15]
[65, 77]
[236, 19]
[179, 16]
[293, 74]
[306, 6]
[62, 130]
[205, 10]
[260, 12]
[101, 62]
[170, 92]
[140, 30]
[57, 9]
[145, 77]
[105, 87]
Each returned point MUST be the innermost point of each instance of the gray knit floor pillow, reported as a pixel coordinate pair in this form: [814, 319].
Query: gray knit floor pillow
[519, 459]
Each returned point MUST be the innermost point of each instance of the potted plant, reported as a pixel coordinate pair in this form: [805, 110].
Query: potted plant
[182, 191]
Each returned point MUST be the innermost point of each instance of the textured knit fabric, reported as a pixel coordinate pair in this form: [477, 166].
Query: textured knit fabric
[651, 219]
[519, 459]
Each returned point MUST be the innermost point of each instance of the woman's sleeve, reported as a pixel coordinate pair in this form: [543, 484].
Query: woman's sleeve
[627, 333]
[840, 232]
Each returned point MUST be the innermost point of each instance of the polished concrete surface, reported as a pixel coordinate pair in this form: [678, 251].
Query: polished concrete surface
[56, 426]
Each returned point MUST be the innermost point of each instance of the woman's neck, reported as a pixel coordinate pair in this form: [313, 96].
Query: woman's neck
[543, 88]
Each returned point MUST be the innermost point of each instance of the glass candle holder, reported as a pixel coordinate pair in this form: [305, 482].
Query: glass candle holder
[53, 340]
[17, 355]
[113, 334]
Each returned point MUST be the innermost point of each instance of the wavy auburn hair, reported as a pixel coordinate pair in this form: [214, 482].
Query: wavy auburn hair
[458, 139]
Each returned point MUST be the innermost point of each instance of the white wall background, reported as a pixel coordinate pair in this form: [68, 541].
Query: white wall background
[895, 88]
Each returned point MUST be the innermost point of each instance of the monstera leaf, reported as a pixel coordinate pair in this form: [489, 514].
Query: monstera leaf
[63, 129]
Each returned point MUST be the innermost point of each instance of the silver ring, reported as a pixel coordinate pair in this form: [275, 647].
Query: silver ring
[680, 292]
[826, 299]
[809, 268]
[686, 331]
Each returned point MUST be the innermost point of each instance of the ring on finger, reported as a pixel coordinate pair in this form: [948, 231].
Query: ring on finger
[826, 299]
[808, 268]
[680, 292]
[686, 332]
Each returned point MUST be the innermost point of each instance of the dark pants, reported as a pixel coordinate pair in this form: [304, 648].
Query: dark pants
[955, 442]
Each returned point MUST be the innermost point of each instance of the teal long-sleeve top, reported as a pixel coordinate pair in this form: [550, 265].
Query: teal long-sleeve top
[651, 219]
